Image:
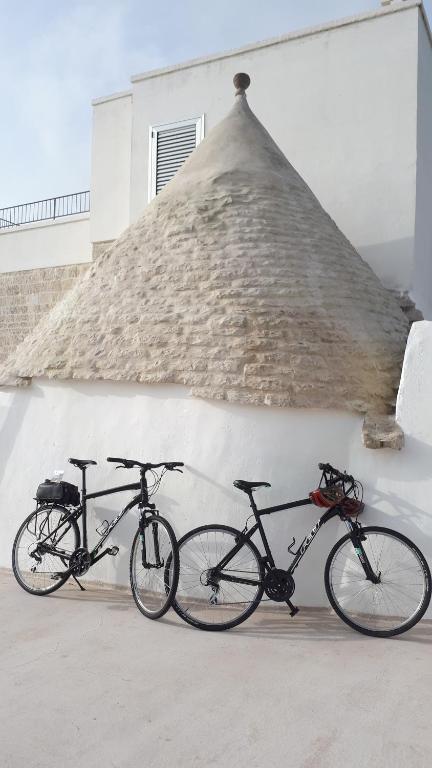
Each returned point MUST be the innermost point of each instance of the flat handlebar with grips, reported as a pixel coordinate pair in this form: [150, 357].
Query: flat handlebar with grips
[336, 473]
[130, 463]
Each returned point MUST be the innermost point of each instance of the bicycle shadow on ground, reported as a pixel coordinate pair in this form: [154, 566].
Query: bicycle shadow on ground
[310, 624]
[115, 599]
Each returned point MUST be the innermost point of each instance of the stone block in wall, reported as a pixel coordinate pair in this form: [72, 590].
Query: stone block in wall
[26, 296]
[99, 247]
[382, 432]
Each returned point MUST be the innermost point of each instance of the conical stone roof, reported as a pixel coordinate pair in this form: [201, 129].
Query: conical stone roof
[234, 282]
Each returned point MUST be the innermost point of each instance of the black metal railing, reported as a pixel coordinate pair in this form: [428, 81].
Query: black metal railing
[42, 210]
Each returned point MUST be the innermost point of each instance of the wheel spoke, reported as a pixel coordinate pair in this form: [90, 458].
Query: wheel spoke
[398, 597]
[39, 571]
[206, 598]
[153, 588]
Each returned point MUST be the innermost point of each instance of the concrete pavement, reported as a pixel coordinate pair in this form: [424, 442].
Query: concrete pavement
[87, 681]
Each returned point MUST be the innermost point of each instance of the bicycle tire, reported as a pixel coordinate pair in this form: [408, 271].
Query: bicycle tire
[15, 554]
[195, 621]
[158, 603]
[423, 569]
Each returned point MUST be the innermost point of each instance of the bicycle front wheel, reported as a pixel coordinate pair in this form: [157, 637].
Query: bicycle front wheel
[403, 592]
[210, 601]
[151, 554]
[42, 548]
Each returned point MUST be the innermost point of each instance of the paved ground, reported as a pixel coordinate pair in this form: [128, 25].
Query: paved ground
[86, 680]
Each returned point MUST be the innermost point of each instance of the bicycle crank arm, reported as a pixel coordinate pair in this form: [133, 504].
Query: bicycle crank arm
[113, 551]
[72, 572]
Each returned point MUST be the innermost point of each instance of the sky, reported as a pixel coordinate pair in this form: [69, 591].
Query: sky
[57, 55]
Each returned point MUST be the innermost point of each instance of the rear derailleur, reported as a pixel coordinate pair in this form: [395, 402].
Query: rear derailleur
[209, 578]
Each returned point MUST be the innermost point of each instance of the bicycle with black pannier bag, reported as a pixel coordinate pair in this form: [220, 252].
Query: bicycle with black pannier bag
[49, 548]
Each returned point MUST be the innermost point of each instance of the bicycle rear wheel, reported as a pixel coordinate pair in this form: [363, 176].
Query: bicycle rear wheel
[401, 596]
[217, 604]
[154, 592]
[37, 571]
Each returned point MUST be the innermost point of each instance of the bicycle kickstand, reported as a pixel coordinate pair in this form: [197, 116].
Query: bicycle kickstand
[74, 577]
[293, 608]
[80, 585]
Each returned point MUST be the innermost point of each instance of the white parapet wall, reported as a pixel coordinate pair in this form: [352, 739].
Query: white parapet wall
[46, 244]
[422, 277]
[400, 483]
[42, 425]
[414, 403]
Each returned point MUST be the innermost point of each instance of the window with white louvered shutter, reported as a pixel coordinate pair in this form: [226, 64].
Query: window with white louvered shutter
[170, 146]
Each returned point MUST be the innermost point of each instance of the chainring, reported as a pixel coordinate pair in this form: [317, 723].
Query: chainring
[278, 585]
[80, 561]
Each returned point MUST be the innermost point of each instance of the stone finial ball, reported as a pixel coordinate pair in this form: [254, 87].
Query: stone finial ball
[241, 81]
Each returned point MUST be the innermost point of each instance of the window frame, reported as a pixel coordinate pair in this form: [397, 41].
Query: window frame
[153, 131]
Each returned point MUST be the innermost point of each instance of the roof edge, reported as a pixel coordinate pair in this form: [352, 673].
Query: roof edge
[404, 5]
[111, 97]
[425, 21]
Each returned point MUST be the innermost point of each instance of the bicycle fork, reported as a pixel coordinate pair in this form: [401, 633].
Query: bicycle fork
[357, 538]
[143, 524]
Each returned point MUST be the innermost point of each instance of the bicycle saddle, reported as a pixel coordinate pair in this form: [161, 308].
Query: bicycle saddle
[245, 486]
[80, 463]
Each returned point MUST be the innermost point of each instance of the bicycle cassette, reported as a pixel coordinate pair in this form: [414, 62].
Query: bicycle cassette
[80, 561]
[278, 585]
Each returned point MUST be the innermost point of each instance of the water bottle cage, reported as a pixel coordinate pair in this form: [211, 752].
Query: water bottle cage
[102, 528]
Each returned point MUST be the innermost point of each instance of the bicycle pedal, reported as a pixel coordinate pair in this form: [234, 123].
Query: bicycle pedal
[112, 551]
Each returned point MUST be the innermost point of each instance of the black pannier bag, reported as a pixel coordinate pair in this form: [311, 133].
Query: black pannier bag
[62, 493]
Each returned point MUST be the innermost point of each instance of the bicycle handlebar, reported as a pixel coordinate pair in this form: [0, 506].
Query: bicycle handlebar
[130, 463]
[340, 475]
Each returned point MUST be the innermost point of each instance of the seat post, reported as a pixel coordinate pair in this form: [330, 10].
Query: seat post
[84, 506]
[252, 502]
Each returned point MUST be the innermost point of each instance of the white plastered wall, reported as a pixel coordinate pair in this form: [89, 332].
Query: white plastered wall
[46, 244]
[422, 277]
[219, 442]
[111, 164]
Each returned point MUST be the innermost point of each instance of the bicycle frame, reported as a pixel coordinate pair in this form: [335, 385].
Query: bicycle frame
[142, 499]
[268, 560]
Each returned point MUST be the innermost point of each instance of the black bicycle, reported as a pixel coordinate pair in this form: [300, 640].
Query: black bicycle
[376, 579]
[47, 549]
